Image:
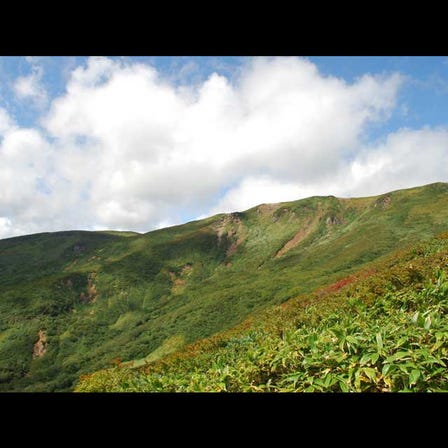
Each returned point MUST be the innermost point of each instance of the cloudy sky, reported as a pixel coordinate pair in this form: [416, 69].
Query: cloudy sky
[143, 143]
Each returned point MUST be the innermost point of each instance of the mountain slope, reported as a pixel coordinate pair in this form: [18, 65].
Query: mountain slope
[382, 330]
[75, 302]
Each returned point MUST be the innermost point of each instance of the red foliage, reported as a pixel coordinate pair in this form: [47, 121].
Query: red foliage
[340, 284]
[347, 281]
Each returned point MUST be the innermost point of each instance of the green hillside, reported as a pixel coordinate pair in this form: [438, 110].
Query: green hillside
[382, 330]
[72, 303]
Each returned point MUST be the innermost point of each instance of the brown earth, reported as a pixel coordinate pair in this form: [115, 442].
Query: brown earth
[179, 282]
[231, 226]
[302, 233]
[40, 347]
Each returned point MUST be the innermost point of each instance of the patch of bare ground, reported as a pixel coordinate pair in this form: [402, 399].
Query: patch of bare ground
[92, 292]
[231, 226]
[179, 281]
[302, 233]
[40, 347]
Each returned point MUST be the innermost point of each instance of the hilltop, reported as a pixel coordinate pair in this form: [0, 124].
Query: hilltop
[75, 302]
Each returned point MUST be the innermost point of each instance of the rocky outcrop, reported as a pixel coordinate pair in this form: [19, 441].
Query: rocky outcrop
[40, 347]
[333, 220]
[383, 202]
[232, 227]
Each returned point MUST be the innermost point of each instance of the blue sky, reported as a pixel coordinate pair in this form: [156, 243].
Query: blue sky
[424, 95]
[142, 143]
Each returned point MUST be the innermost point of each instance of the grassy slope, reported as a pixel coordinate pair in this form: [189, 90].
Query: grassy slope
[384, 329]
[100, 296]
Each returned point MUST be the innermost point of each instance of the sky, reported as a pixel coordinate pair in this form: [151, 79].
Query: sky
[141, 143]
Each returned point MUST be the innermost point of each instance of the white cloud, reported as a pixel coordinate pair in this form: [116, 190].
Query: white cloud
[130, 150]
[5, 226]
[407, 158]
[30, 87]
[256, 190]
[161, 145]
[6, 122]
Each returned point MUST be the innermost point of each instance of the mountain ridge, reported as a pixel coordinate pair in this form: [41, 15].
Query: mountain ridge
[263, 204]
[100, 296]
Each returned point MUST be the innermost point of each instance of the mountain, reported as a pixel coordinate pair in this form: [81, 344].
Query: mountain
[383, 329]
[72, 303]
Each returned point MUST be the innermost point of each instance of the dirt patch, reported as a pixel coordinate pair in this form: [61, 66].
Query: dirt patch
[231, 226]
[234, 245]
[303, 232]
[179, 282]
[186, 270]
[92, 292]
[40, 347]
[293, 242]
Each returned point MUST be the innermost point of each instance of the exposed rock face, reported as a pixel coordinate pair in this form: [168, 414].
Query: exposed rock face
[333, 221]
[383, 202]
[40, 347]
[231, 226]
